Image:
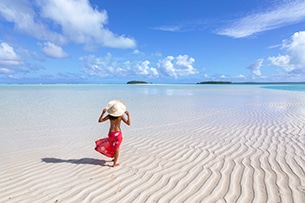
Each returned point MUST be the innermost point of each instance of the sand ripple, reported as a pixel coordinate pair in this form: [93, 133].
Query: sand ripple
[242, 152]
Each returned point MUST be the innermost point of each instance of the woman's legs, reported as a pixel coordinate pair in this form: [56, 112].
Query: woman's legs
[116, 156]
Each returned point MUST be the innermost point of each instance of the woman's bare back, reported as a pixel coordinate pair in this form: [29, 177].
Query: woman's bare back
[115, 124]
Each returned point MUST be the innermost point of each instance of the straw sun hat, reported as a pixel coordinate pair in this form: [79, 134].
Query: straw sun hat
[116, 108]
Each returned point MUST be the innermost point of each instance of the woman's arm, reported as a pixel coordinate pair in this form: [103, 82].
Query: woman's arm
[101, 119]
[128, 118]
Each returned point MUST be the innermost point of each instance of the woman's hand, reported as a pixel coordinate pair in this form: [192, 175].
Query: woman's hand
[101, 119]
[128, 118]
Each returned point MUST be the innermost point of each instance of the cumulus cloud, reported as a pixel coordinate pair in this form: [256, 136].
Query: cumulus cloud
[74, 21]
[8, 56]
[83, 24]
[296, 48]
[286, 13]
[109, 66]
[105, 67]
[281, 61]
[144, 69]
[26, 20]
[9, 60]
[97, 66]
[53, 51]
[181, 65]
[294, 58]
[255, 67]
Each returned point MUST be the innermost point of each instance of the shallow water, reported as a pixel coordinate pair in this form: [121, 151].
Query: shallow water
[291, 87]
[46, 115]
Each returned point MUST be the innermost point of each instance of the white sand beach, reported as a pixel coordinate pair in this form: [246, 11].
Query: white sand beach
[186, 143]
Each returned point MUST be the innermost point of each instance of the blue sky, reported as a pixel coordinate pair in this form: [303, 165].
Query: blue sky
[159, 41]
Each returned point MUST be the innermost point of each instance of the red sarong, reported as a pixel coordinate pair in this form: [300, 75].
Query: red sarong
[107, 146]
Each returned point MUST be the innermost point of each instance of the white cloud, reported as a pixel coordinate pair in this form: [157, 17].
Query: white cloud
[184, 26]
[144, 69]
[8, 56]
[137, 52]
[23, 15]
[256, 67]
[296, 48]
[294, 59]
[223, 76]
[241, 76]
[12, 64]
[9, 60]
[83, 24]
[177, 66]
[282, 61]
[53, 51]
[94, 66]
[185, 65]
[106, 66]
[6, 71]
[286, 13]
[167, 65]
[62, 21]
[171, 28]
[109, 66]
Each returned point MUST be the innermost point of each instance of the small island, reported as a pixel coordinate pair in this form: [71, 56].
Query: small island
[215, 82]
[137, 82]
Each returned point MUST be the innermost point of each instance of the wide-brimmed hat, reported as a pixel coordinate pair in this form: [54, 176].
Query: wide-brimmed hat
[116, 108]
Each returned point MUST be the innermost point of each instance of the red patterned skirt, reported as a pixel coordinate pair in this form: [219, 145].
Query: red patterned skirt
[107, 146]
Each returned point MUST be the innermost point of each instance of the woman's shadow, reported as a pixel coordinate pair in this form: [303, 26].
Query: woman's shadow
[77, 161]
